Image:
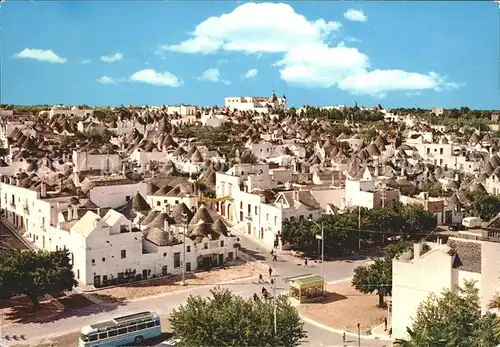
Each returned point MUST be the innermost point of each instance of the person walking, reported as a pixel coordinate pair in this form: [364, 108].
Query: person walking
[305, 262]
[270, 271]
[275, 257]
[385, 324]
[260, 278]
[255, 297]
[343, 337]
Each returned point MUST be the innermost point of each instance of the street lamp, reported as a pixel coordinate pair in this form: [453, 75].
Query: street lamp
[322, 238]
[185, 222]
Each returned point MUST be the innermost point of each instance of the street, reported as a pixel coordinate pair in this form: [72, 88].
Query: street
[164, 304]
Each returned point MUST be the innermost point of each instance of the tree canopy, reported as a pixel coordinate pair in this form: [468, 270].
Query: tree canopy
[484, 205]
[35, 274]
[226, 319]
[341, 230]
[377, 277]
[453, 319]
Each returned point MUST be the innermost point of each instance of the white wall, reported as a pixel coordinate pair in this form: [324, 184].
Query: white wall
[116, 196]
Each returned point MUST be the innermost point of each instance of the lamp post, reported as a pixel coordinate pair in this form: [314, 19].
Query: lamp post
[185, 222]
[359, 335]
[322, 238]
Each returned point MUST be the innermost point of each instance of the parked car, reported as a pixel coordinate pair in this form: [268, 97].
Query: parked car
[471, 222]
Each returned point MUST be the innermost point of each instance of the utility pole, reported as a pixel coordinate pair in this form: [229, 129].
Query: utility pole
[185, 221]
[275, 307]
[359, 228]
[322, 237]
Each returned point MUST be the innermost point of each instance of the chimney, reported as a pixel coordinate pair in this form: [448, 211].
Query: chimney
[123, 169]
[296, 195]
[417, 248]
[70, 213]
[75, 211]
[98, 212]
[18, 182]
[11, 181]
[43, 191]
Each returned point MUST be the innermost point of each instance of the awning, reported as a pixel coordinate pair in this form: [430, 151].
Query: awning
[307, 282]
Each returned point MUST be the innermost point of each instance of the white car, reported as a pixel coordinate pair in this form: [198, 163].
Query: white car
[169, 343]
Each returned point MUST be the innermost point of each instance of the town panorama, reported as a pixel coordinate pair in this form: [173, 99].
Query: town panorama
[148, 197]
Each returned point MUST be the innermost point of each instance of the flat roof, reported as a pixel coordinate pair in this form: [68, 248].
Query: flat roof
[307, 281]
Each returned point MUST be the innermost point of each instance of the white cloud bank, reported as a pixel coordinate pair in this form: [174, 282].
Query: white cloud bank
[251, 73]
[46, 55]
[112, 58]
[150, 76]
[85, 61]
[307, 57]
[355, 15]
[213, 75]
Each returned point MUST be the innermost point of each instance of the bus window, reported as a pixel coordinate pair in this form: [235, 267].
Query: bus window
[141, 326]
[157, 322]
[92, 337]
[122, 331]
[112, 333]
[150, 324]
[84, 338]
[132, 328]
[103, 336]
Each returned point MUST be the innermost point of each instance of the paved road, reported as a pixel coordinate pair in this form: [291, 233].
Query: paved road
[163, 304]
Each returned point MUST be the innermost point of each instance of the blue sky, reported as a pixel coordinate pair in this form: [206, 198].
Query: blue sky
[399, 54]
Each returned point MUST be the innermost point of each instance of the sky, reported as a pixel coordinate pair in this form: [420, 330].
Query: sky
[398, 54]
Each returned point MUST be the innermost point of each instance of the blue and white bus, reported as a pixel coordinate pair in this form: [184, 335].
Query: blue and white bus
[121, 331]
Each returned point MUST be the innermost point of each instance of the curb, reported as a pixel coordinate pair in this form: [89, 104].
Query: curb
[340, 332]
[381, 337]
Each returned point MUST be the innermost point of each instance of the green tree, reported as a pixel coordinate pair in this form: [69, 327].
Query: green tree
[226, 319]
[485, 206]
[453, 319]
[35, 274]
[377, 277]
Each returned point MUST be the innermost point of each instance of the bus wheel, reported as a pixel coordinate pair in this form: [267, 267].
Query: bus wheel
[138, 339]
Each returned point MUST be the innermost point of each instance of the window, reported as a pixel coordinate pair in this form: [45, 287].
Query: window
[93, 261]
[176, 202]
[124, 253]
[127, 198]
[103, 336]
[158, 203]
[275, 220]
[177, 259]
[103, 259]
[112, 333]
[132, 328]
[93, 337]
[428, 150]
[150, 324]
[188, 249]
[205, 245]
[122, 331]
[157, 323]
[123, 228]
[141, 326]
[78, 273]
[222, 243]
[241, 205]
[230, 256]
[310, 216]
[440, 151]
[256, 210]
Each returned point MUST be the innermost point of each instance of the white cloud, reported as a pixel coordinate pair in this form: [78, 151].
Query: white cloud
[85, 61]
[153, 77]
[251, 73]
[112, 58]
[355, 15]
[222, 61]
[307, 58]
[41, 55]
[213, 75]
[256, 28]
[106, 80]
[378, 82]
[353, 39]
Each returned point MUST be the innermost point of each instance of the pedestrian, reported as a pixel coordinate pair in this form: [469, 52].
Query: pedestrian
[305, 262]
[255, 297]
[275, 257]
[272, 251]
[343, 337]
[385, 324]
[260, 278]
[270, 272]
[272, 281]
